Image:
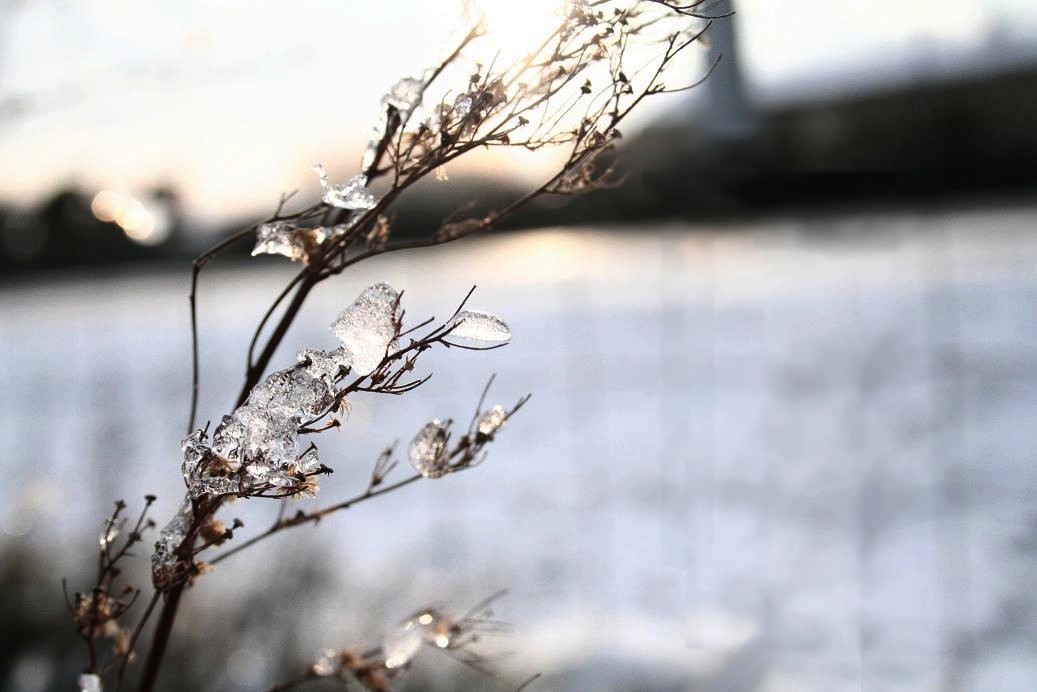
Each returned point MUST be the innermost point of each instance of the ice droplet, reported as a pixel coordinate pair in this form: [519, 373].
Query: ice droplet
[404, 95]
[426, 450]
[402, 643]
[88, 682]
[351, 194]
[327, 664]
[492, 421]
[479, 326]
[367, 327]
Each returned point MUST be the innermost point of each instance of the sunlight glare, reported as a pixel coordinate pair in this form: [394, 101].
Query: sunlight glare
[516, 28]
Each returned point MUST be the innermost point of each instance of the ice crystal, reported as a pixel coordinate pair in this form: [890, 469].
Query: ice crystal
[88, 682]
[164, 562]
[277, 239]
[404, 95]
[367, 327]
[402, 643]
[426, 450]
[328, 663]
[492, 421]
[351, 194]
[480, 326]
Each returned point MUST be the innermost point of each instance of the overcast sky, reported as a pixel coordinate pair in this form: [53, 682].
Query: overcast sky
[231, 101]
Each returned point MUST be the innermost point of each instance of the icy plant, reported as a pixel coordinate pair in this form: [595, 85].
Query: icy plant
[572, 90]
[433, 627]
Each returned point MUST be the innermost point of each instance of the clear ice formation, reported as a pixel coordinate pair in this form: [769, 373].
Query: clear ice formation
[351, 194]
[492, 421]
[367, 327]
[479, 326]
[261, 437]
[427, 448]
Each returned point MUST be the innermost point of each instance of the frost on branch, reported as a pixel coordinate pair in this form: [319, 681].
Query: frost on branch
[351, 194]
[480, 326]
[367, 327]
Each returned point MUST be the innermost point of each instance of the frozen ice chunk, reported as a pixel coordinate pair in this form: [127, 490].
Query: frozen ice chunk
[426, 450]
[351, 194]
[479, 326]
[491, 421]
[367, 327]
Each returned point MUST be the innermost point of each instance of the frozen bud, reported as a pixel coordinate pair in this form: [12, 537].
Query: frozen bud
[492, 421]
[427, 448]
[479, 326]
[402, 644]
[327, 664]
[88, 682]
[368, 326]
[351, 194]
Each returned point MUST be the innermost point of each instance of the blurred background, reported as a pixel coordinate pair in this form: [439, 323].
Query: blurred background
[784, 420]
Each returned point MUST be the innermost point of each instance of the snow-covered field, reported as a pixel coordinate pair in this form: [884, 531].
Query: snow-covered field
[795, 455]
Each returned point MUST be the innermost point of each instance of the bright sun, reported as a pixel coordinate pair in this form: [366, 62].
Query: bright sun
[516, 26]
